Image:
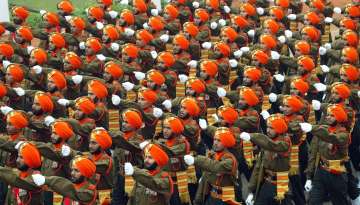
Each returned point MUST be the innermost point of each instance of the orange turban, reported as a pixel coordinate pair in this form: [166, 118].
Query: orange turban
[278, 123]
[172, 11]
[156, 23]
[214, 4]
[131, 50]
[6, 50]
[57, 39]
[167, 58]
[16, 72]
[52, 18]
[133, 118]
[268, 40]
[223, 48]
[25, 33]
[86, 166]
[144, 35]
[180, 40]
[156, 76]
[351, 54]
[338, 112]
[40, 55]
[306, 62]
[2, 30]
[311, 32]
[260, 56]
[3, 90]
[197, 85]
[112, 32]
[300, 85]
[128, 16]
[96, 12]
[229, 114]
[94, 44]
[105, 2]
[20, 12]
[114, 69]
[78, 22]
[352, 10]
[293, 102]
[229, 32]
[278, 12]
[140, 5]
[175, 124]
[191, 106]
[351, 71]
[149, 95]
[98, 88]
[348, 23]
[319, 4]
[272, 25]
[62, 129]
[58, 78]
[73, 59]
[65, 6]
[202, 14]
[160, 157]
[17, 119]
[45, 101]
[210, 67]
[240, 21]
[102, 137]
[253, 73]
[249, 9]
[303, 47]
[191, 28]
[351, 37]
[249, 95]
[30, 154]
[85, 105]
[225, 136]
[283, 3]
[342, 89]
[312, 17]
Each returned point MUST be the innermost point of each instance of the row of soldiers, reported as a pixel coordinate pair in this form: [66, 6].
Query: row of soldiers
[174, 105]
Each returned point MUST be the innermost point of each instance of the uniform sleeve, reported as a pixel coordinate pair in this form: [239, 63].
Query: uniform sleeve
[47, 150]
[254, 177]
[157, 184]
[309, 171]
[12, 178]
[335, 138]
[7, 145]
[214, 166]
[266, 143]
[102, 166]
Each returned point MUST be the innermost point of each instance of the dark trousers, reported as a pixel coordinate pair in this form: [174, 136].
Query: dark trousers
[214, 201]
[3, 192]
[48, 197]
[118, 194]
[175, 198]
[267, 194]
[326, 183]
[297, 190]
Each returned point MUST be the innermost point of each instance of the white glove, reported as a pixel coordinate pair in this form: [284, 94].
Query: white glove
[153, 54]
[115, 99]
[164, 38]
[305, 127]
[99, 25]
[320, 87]
[65, 150]
[292, 17]
[143, 144]
[250, 199]
[265, 114]
[251, 33]
[167, 104]
[308, 185]
[280, 78]
[6, 63]
[222, 22]
[101, 57]
[358, 93]
[275, 55]
[19, 91]
[282, 39]
[245, 49]
[322, 50]
[238, 54]
[29, 49]
[139, 75]
[146, 26]
[129, 169]
[325, 68]
[129, 32]
[48, 120]
[115, 46]
[213, 25]
[337, 10]
[63, 102]
[272, 97]
[77, 79]
[227, 9]
[124, 2]
[42, 12]
[288, 33]
[260, 11]
[18, 145]
[183, 78]
[128, 86]
[245, 136]
[38, 179]
[233, 63]
[206, 45]
[113, 14]
[82, 45]
[328, 20]
[189, 160]
[203, 124]
[37, 69]
[154, 12]
[68, 18]
[316, 104]
[5, 109]
[195, 4]
[157, 112]
[327, 46]
[192, 64]
[221, 92]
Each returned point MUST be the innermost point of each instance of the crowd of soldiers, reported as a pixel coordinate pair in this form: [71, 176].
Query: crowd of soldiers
[181, 105]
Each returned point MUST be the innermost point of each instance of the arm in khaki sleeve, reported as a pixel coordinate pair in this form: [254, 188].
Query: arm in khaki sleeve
[266, 143]
[102, 166]
[7, 145]
[214, 166]
[47, 150]
[158, 184]
[312, 158]
[66, 188]
[254, 177]
[323, 134]
[247, 122]
[11, 177]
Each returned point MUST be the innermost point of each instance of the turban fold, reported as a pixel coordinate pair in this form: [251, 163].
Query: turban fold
[114, 69]
[191, 28]
[240, 21]
[175, 124]
[268, 41]
[52, 18]
[181, 41]
[65, 6]
[306, 62]
[3, 90]
[78, 22]
[94, 44]
[57, 39]
[172, 11]
[342, 89]
[300, 85]
[223, 48]
[45, 101]
[128, 16]
[294, 103]
[17, 119]
[278, 123]
[229, 114]
[102, 137]
[191, 106]
[16, 72]
[149, 95]
[112, 32]
[144, 35]
[30, 154]
[85, 105]
[260, 56]
[62, 129]
[96, 12]
[351, 71]
[351, 37]
[225, 136]
[85, 166]
[20, 12]
[351, 54]
[140, 5]
[253, 73]
[159, 155]
[167, 58]
[133, 118]
[156, 76]
[156, 23]
[272, 25]
[303, 47]
[73, 59]
[229, 32]
[25, 33]
[131, 50]
[311, 32]
[98, 88]
[209, 67]
[58, 78]
[40, 55]
[6, 50]
[249, 9]
[249, 96]
[202, 14]
[197, 85]
[338, 112]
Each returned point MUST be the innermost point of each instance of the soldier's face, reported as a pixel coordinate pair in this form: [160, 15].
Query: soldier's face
[94, 147]
[36, 108]
[122, 22]
[74, 29]
[125, 126]
[55, 139]
[160, 66]
[9, 78]
[51, 87]
[242, 104]
[270, 131]
[335, 97]
[190, 92]
[167, 132]
[143, 102]
[67, 66]
[61, 12]
[204, 75]
[217, 146]
[76, 176]
[294, 91]
[32, 60]
[78, 114]
[286, 109]
[217, 54]
[89, 51]
[166, 17]
[301, 70]
[91, 95]
[247, 81]
[52, 47]
[20, 163]
[11, 129]
[330, 119]
[19, 39]
[17, 20]
[344, 77]
[197, 21]
[149, 162]
[183, 113]
[107, 77]
[176, 49]
[221, 121]
[125, 58]
[140, 43]
[106, 38]
[91, 19]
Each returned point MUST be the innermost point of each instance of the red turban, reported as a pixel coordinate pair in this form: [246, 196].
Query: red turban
[175, 124]
[86, 167]
[62, 129]
[133, 118]
[30, 154]
[85, 105]
[225, 136]
[17, 119]
[45, 101]
[102, 137]
[160, 157]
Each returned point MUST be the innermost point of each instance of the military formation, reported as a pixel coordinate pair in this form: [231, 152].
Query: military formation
[199, 102]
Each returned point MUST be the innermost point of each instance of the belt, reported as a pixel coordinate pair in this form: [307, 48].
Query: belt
[333, 166]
